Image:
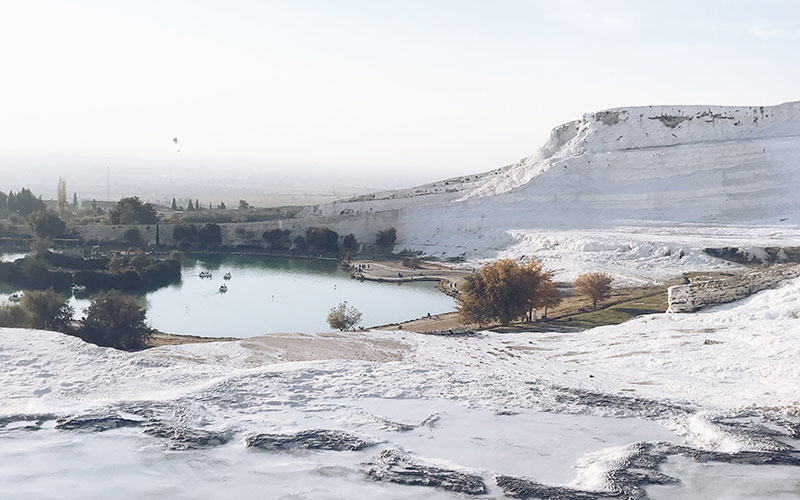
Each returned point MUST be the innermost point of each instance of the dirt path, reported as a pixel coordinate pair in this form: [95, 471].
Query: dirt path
[394, 271]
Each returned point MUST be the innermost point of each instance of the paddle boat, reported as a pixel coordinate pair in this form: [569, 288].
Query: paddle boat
[15, 297]
[226, 276]
[223, 288]
[205, 274]
[78, 288]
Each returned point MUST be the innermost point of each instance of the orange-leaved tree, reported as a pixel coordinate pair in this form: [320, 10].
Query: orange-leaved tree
[505, 291]
[596, 286]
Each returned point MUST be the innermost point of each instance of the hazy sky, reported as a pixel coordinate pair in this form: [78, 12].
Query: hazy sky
[384, 90]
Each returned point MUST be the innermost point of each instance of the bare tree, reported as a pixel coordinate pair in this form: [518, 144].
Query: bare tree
[596, 286]
[344, 317]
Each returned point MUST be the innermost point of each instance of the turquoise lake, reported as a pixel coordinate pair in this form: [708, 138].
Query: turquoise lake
[273, 295]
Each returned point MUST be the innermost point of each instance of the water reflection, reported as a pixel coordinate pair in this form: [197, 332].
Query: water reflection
[273, 295]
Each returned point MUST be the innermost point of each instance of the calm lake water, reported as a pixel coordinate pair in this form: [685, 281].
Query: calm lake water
[274, 295]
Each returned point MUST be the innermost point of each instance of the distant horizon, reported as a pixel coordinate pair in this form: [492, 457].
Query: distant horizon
[270, 186]
[361, 94]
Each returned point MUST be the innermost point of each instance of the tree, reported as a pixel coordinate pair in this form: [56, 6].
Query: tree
[134, 237]
[540, 289]
[277, 238]
[174, 204]
[548, 297]
[48, 310]
[322, 238]
[386, 238]
[62, 197]
[24, 202]
[197, 204]
[221, 205]
[344, 317]
[595, 286]
[74, 200]
[243, 205]
[474, 306]
[14, 316]
[3, 201]
[47, 224]
[39, 247]
[503, 291]
[300, 242]
[115, 320]
[210, 235]
[133, 211]
[185, 235]
[350, 244]
[190, 208]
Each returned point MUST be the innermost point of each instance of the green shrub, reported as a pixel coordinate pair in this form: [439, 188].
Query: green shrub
[133, 237]
[14, 316]
[350, 243]
[47, 224]
[322, 238]
[386, 238]
[115, 320]
[47, 310]
[210, 235]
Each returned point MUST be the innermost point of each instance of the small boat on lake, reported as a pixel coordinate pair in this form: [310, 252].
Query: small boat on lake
[226, 276]
[15, 297]
[78, 288]
[223, 288]
[205, 274]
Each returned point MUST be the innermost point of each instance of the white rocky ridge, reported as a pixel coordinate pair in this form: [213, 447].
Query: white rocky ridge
[663, 180]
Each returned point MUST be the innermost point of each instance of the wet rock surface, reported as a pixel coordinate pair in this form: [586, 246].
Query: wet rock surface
[186, 438]
[31, 420]
[95, 423]
[632, 474]
[620, 405]
[314, 439]
[516, 487]
[393, 466]
[391, 425]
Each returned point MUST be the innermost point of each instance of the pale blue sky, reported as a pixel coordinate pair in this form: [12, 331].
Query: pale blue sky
[416, 89]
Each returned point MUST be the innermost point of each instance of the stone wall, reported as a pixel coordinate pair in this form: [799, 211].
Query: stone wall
[699, 294]
[363, 226]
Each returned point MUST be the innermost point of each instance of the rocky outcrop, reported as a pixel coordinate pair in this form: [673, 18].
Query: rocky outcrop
[186, 438]
[630, 476]
[700, 294]
[315, 439]
[395, 467]
[95, 423]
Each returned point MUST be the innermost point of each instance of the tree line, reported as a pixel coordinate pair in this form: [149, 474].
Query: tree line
[22, 203]
[505, 291]
[111, 320]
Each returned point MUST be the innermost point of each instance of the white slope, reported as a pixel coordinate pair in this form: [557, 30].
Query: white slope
[753, 350]
[698, 175]
[517, 404]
